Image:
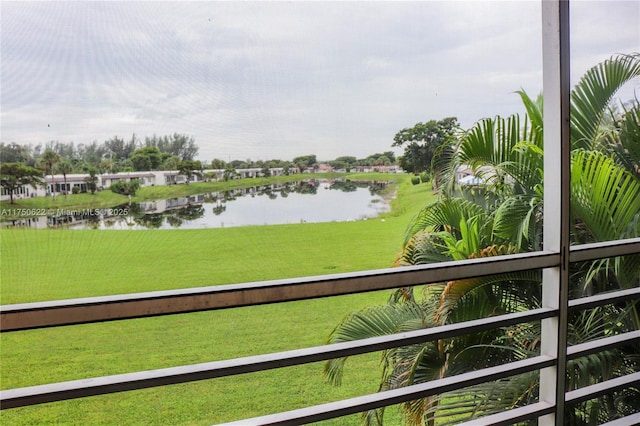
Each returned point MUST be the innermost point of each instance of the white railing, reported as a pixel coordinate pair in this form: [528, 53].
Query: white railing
[65, 312]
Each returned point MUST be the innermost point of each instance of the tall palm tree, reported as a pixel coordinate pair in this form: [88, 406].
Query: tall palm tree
[505, 216]
[65, 167]
[50, 158]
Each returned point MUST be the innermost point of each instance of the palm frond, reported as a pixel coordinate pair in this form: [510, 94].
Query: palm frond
[605, 197]
[371, 322]
[592, 94]
[422, 248]
[534, 111]
[455, 291]
[625, 142]
[518, 220]
[490, 149]
[441, 215]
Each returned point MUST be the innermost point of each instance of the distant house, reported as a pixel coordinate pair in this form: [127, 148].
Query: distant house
[463, 172]
[56, 183]
[145, 178]
[470, 180]
[465, 175]
[387, 169]
[364, 169]
[72, 181]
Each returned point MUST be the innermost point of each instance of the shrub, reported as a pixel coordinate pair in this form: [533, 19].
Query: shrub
[126, 188]
[415, 180]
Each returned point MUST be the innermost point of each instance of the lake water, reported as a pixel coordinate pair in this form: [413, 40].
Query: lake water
[296, 202]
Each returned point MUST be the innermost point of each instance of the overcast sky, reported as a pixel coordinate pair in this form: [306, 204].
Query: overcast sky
[276, 80]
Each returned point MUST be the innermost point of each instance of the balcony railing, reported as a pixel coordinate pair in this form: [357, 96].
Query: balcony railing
[87, 310]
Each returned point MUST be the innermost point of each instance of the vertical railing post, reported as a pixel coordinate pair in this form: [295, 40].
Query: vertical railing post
[557, 167]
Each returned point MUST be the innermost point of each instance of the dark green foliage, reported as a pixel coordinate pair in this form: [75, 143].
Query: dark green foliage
[187, 167]
[423, 142]
[126, 188]
[15, 175]
[14, 153]
[305, 161]
[182, 146]
[147, 158]
[92, 180]
[502, 216]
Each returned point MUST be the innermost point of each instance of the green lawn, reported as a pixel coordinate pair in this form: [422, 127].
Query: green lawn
[58, 264]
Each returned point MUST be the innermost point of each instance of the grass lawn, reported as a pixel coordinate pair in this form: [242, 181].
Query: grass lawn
[59, 264]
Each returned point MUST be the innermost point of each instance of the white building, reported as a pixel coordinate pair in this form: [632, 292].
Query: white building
[58, 184]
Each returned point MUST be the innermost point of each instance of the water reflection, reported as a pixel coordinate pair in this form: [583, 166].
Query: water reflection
[293, 202]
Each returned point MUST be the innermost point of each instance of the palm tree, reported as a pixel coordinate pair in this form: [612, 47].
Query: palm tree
[50, 158]
[65, 167]
[505, 216]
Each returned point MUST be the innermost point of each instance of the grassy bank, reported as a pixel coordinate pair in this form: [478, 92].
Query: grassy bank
[57, 264]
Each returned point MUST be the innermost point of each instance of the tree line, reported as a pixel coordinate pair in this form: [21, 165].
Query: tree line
[157, 153]
[26, 164]
[113, 155]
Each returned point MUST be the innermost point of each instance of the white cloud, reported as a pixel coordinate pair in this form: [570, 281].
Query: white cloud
[275, 79]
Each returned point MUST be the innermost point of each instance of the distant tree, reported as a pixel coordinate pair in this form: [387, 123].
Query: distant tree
[14, 175]
[63, 149]
[187, 167]
[92, 153]
[92, 180]
[337, 164]
[218, 164]
[49, 159]
[379, 159]
[305, 161]
[14, 153]
[107, 165]
[390, 155]
[238, 164]
[347, 160]
[182, 146]
[118, 149]
[423, 142]
[266, 171]
[172, 163]
[147, 158]
[229, 174]
[64, 168]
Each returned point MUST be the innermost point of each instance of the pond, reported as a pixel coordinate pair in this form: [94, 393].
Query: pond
[295, 202]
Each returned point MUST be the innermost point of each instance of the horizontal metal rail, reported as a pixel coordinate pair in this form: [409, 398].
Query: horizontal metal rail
[604, 299]
[633, 419]
[397, 396]
[138, 305]
[95, 309]
[520, 414]
[599, 389]
[76, 311]
[125, 382]
[603, 250]
[601, 345]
